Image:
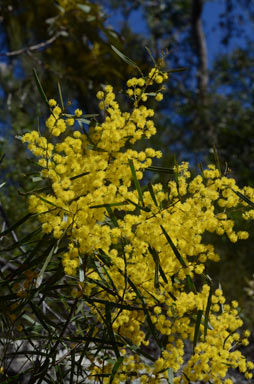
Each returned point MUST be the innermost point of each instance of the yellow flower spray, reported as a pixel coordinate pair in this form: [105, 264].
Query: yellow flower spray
[148, 241]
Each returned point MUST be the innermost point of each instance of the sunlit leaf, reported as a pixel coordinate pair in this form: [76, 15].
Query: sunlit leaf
[170, 376]
[124, 57]
[43, 269]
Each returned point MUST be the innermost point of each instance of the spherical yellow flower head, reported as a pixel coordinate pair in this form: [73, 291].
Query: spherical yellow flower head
[100, 95]
[78, 112]
[52, 102]
[159, 79]
[70, 122]
[156, 241]
[159, 96]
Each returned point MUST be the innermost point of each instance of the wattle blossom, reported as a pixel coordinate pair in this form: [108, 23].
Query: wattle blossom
[150, 239]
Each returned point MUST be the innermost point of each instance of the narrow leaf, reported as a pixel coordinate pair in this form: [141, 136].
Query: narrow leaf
[207, 310]
[112, 216]
[176, 70]
[40, 89]
[137, 185]
[197, 328]
[179, 257]
[36, 179]
[87, 135]
[150, 94]
[109, 278]
[157, 264]
[175, 250]
[96, 265]
[152, 58]
[176, 172]
[123, 57]
[91, 115]
[113, 304]
[146, 209]
[84, 8]
[100, 284]
[2, 157]
[60, 94]
[40, 276]
[84, 349]
[110, 330]
[116, 366]
[244, 198]
[104, 258]
[22, 241]
[160, 169]
[84, 121]
[150, 189]
[170, 376]
[148, 318]
[80, 175]
[93, 147]
[156, 273]
[17, 224]
[81, 271]
[216, 158]
[109, 205]
[50, 203]
[39, 314]
[88, 115]
[190, 284]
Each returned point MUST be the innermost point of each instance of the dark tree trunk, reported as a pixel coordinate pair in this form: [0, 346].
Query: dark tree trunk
[200, 45]
[200, 48]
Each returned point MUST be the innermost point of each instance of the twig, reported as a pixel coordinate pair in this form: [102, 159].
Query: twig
[4, 264]
[41, 370]
[67, 353]
[32, 47]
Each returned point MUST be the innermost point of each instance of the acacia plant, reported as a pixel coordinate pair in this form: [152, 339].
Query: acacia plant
[117, 278]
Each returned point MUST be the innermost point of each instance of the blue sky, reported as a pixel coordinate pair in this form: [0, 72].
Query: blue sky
[211, 18]
[212, 11]
[213, 32]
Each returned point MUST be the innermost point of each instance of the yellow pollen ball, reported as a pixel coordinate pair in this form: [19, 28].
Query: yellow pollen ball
[78, 112]
[52, 102]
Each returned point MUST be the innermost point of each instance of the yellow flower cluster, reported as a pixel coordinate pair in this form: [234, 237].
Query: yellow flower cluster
[120, 127]
[151, 241]
[213, 355]
[137, 86]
